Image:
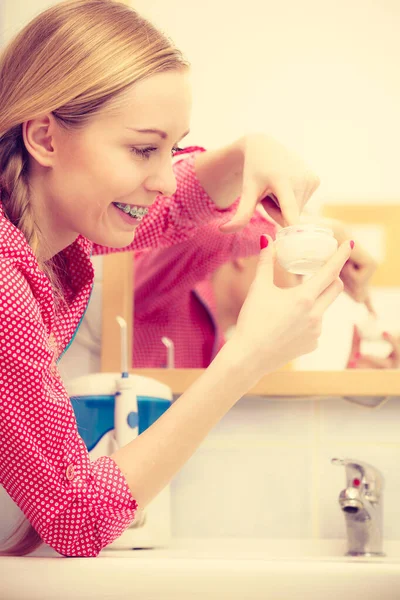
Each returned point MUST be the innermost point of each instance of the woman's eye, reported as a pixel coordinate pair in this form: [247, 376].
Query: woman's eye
[142, 152]
[146, 152]
[175, 150]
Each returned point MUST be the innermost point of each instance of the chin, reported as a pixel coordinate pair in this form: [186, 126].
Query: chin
[116, 240]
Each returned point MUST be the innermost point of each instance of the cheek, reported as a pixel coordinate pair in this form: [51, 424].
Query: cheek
[73, 167]
[95, 166]
[116, 171]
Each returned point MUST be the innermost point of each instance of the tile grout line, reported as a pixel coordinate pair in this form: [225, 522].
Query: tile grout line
[315, 474]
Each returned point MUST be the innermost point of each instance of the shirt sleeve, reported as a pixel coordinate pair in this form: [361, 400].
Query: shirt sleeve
[173, 219]
[165, 274]
[77, 506]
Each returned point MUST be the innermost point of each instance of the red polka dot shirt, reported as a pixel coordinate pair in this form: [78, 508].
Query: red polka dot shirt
[77, 506]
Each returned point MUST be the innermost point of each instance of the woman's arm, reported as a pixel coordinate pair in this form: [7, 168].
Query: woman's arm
[256, 167]
[258, 346]
[77, 506]
[151, 460]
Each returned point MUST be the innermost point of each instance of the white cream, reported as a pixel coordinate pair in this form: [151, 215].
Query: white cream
[371, 332]
[303, 249]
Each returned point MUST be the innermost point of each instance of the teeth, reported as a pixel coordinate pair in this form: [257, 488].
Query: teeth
[137, 212]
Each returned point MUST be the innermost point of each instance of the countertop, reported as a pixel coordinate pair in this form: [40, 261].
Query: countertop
[220, 569]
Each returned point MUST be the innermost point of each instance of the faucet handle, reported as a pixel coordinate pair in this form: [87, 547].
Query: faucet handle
[359, 473]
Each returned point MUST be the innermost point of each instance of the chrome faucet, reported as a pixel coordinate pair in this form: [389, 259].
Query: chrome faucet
[362, 503]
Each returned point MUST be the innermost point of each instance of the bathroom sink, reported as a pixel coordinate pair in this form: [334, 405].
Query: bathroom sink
[209, 569]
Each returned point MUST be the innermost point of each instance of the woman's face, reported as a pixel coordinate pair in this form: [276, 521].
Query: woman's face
[120, 158]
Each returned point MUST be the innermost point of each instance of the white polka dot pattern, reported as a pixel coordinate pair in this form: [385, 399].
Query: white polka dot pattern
[77, 506]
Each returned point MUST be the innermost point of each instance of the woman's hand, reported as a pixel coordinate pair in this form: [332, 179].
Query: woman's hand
[277, 325]
[365, 361]
[259, 170]
[357, 272]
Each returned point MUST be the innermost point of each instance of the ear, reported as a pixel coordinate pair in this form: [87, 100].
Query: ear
[38, 135]
[238, 264]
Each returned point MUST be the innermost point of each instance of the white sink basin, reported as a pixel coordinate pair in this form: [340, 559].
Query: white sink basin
[227, 569]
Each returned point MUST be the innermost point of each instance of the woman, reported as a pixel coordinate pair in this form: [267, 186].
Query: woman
[94, 100]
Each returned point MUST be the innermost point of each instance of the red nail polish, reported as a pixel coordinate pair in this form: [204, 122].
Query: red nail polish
[263, 242]
[352, 364]
[385, 334]
[352, 244]
[357, 355]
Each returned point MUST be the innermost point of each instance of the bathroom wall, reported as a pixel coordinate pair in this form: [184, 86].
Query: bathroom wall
[265, 470]
[321, 76]
[16, 13]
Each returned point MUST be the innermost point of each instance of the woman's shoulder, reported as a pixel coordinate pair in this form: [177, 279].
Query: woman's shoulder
[17, 295]
[20, 275]
[13, 245]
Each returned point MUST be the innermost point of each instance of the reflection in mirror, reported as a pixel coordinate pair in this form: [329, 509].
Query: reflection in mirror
[368, 334]
[201, 312]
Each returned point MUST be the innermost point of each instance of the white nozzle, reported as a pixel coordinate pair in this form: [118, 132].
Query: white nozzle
[124, 344]
[170, 346]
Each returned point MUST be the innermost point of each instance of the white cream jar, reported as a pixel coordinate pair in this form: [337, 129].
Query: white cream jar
[303, 249]
[371, 332]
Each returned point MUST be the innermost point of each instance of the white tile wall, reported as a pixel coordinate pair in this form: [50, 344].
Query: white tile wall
[261, 418]
[244, 490]
[266, 470]
[347, 422]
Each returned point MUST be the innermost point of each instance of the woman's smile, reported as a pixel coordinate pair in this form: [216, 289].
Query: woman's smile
[131, 213]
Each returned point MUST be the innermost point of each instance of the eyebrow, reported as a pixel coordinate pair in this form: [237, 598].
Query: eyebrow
[159, 132]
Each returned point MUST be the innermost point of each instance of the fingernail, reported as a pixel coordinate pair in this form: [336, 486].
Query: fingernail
[352, 364]
[385, 334]
[352, 244]
[357, 355]
[263, 242]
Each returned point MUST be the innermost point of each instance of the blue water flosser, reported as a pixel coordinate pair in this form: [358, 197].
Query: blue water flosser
[126, 414]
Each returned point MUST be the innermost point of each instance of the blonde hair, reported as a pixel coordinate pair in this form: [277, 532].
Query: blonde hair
[72, 60]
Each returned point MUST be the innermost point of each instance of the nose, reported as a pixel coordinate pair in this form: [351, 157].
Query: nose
[163, 181]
